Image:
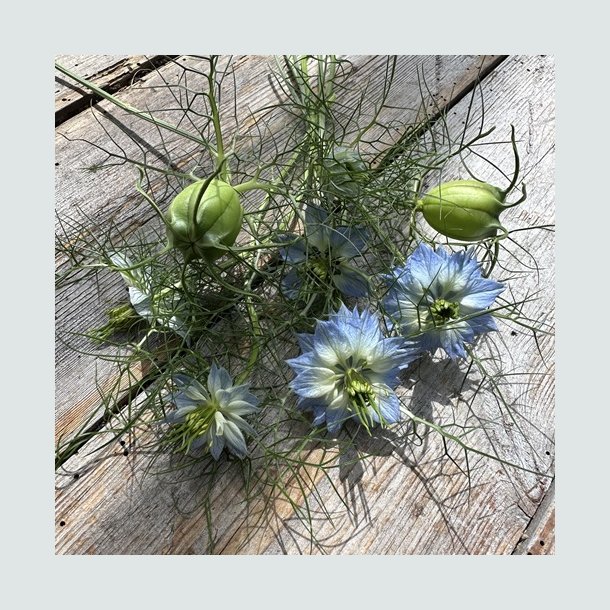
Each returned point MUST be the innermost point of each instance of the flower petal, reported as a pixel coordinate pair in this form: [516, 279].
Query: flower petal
[389, 405]
[337, 413]
[216, 444]
[351, 281]
[237, 400]
[314, 382]
[291, 283]
[176, 417]
[347, 242]
[295, 252]
[190, 387]
[235, 441]
[218, 379]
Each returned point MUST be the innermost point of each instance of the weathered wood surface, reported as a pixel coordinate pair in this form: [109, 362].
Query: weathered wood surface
[539, 536]
[408, 499]
[91, 201]
[110, 72]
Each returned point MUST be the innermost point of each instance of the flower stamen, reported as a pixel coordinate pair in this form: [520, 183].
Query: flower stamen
[195, 425]
[443, 311]
[362, 397]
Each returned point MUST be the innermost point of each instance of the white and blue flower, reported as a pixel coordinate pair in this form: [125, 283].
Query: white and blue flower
[322, 258]
[160, 307]
[348, 370]
[211, 417]
[439, 299]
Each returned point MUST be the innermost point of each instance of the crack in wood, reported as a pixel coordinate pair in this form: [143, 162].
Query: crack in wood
[86, 98]
[399, 148]
[543, 520]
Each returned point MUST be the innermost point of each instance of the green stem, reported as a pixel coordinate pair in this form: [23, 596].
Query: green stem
[220, 155]
[254, 184]
[513, 182]
[255, 351]
[148, 197]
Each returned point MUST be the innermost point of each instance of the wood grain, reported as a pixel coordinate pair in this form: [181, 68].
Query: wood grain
[404, 498]
[539, 536]
[110, 72]
[91, 202]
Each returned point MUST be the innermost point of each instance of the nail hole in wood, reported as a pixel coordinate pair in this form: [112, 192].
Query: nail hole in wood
[513, 333]
[76, 475]
[62, 523]
[126, 452]
[542, 543]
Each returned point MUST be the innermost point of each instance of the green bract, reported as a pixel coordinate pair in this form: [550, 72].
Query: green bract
[201, 219]
[342, 172]
[467, 210]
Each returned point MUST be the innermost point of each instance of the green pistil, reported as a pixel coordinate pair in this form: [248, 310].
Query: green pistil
[319, 268]
[362, 396]
[120, 318]
[442, 311]
[195, 424]
[356, 384]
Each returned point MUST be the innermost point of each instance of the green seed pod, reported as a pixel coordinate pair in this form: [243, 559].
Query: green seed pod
[468, 210]
[198, 220]
[343, 172]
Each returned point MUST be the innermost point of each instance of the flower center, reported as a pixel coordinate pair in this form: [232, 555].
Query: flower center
[442, 311]
[362, 397]
[195, 424]
[356, 385]
[319, 268]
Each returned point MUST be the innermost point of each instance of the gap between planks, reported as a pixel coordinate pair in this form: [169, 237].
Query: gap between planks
[111, 79]
[538, 538]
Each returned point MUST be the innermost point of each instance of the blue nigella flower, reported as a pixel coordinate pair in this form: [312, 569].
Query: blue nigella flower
[438, 299]
[321, 258]
[212, 416]
[348, 369]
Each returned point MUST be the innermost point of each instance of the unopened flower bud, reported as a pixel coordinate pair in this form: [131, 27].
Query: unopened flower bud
[199, 221]
[342, 172]
[468, 210]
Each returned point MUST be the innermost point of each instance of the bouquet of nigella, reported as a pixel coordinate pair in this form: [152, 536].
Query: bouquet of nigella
[287, 291]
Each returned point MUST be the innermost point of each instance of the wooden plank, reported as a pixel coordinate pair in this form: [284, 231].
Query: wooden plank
[406, 500]
[422, 505]
[110, 72]
[539, 536]
[99, 199]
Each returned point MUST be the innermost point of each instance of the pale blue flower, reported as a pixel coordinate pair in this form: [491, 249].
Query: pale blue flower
[321, 258]
[160, 307]
[439, 299]
[211, 417]
[348, 369]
